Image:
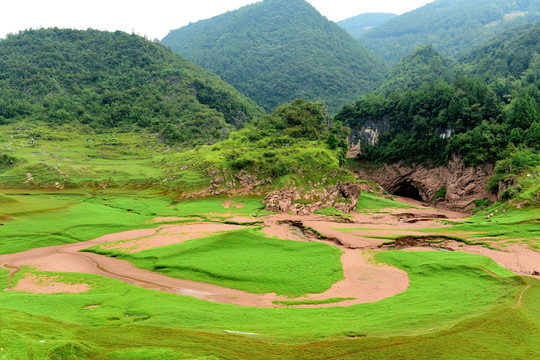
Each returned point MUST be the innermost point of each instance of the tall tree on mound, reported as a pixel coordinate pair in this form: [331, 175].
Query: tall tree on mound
[278, 50]
[115, 80]
[453, 27]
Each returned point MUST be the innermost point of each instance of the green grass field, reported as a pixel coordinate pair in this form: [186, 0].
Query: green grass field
[511, 226]
[451, 298]
[370, 202]
[245, 260]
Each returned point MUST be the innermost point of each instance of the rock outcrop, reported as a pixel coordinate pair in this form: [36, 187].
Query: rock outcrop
[342, 196]
[368, 131]
[462, 184]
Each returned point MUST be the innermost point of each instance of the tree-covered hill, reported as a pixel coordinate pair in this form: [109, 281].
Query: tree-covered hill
[423, 66]
[453, 115]
[276, 51]
[507, 56]
[453, 27]
[115, 80]
[359, 24]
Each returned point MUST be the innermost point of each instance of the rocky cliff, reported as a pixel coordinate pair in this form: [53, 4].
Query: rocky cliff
[453, 185]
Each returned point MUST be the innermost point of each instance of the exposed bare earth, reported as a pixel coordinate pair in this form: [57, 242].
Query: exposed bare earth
[168, 235]
[365, 280]
[47, 284]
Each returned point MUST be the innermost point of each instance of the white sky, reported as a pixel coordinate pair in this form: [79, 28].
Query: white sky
[154, 18]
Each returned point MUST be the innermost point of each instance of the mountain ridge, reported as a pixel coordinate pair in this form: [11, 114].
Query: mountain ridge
[275, 51]
[452, 27]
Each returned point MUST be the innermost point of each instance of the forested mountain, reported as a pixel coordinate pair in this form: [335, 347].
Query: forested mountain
[424, 66]
[359, 24]
[276, 51]
[454, 115]
[115, 80]
[507, 56]
[453, 27]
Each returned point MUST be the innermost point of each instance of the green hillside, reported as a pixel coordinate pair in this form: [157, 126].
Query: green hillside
[295, 146]
[115, 80]
[431, 116]
[508, 55]
[359, 24]
[276, 51]
[422, 67]
[452, 27]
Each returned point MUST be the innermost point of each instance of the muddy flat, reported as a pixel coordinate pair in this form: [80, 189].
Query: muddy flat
[365, 280]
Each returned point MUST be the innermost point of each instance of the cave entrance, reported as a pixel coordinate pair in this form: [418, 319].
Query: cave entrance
[408, 190]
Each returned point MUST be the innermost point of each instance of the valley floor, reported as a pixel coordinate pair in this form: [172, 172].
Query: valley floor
[440, 289]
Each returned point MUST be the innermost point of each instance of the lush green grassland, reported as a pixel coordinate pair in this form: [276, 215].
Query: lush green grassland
[77, 157]
[37, 218]
[369, 202]
[453, 307]
[43, 219]
[245, 260]
[513, 225]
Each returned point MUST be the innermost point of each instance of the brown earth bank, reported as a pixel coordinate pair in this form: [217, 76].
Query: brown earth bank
[463, 184]
[365, 280]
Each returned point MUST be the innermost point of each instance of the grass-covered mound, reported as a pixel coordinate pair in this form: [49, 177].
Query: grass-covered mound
[245, 260]
[75, 156]
[457, 305]
[298, 145]
[115, 80]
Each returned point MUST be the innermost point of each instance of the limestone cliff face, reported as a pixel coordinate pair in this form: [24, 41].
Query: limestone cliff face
[463, 184]
[368, 130]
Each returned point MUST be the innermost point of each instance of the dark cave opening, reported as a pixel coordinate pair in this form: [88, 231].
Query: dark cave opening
[406, 189]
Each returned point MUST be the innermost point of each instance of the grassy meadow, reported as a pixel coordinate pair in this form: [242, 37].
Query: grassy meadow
[448, 293]
[453, 298]
[245, 260]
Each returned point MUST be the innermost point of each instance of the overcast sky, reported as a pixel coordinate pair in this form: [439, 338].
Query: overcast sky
[154, 18]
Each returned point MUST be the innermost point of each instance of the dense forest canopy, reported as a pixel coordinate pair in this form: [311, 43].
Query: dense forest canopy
[453, 27]
[435, 119]
[359, 24]
[423, 66]
[276, 51]
[115, 80]
[508, 55]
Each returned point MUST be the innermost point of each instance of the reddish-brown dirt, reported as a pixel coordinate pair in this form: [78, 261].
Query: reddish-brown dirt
[47, 284]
